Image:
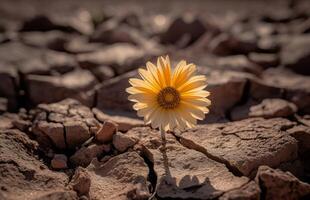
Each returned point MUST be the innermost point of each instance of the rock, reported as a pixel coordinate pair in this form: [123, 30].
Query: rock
[103, 73]
[279, 83]
[183, 31]
[67, 123]
[113, 32]
[226, 89]
[85, 155]
[121, 57]
[281, 185]
[226, 44]
[3, 105]
[239, 63]
[244, 145]
[54, 40]
[272, 108]
[268, 45]
[81, 181]
[108, 95]
[182, 172]
[265, 60]
[296, 54]
[22, 174]
[54, 131]
[80, 44]
[76, 132]
[9, 83]
[121, 177]
[106, 132]
[122, 142]
[6, 123]
[302, 134]
[74, 85]
[59, 161]
[249, 191]
[123, 123]
[79, 21]
[305, 120]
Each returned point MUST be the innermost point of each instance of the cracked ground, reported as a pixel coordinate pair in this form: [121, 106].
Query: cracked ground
[67, 130]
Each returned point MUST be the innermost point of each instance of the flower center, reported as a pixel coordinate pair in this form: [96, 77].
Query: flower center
[168, 98]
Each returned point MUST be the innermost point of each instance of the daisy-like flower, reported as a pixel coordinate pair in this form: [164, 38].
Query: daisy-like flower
[169, 99]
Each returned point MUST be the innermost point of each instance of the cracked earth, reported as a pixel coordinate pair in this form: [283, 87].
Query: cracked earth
[67, 130]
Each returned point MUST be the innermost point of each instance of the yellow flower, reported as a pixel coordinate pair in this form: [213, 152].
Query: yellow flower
[169, 99]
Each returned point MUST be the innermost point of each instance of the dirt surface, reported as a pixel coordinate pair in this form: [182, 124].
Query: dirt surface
[67, 130]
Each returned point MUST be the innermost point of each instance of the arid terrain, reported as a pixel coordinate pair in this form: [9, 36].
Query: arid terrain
[68, 131]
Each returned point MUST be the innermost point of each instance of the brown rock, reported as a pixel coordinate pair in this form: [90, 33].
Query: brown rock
[73, 84]
[302, 134]
[103, 73]
[67, 120]
[225, 44]
[244, 145]
[249, 191]
[265, 60]
[121, 57]
[55, 131]
[54, 40]
[23, 175]
[295, 54]
[106, 132]
[121, 177]
[183, 172]
[279, 83]
[239, 63]
[3, 105]
[281, 185]
[85, 155]
[122, 142]
[76, 132]
[81, 181]
[5, 123]
[123, 123]
[271, 108]
[183, 31]
[71, 22]
[109, 95]
[59, 161]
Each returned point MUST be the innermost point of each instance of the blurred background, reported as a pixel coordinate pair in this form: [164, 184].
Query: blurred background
[255, 53]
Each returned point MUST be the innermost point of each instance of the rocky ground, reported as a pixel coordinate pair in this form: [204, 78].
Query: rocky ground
[67, 130]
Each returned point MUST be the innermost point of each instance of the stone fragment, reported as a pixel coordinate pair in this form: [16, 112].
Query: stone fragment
[302, 134]
[76, 132]
[67, 123]
[239, 63]
[182, 172]
[123, 123]
[3, 105]
[272, 108]
[122, 142]
[281, 185]
[108, 95]
[81, 181]
[78, 21]
[59, 161]
[106, 132]
[183, 31]
[265, 60]
[226, 44]
[121, 57]
[244, 145]
[5, 123]
[22, 174]
[280, 83]
[74, 84]
[121, 177]
[295, 54]
[85, 155]
[103, 73]
[250, 191]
